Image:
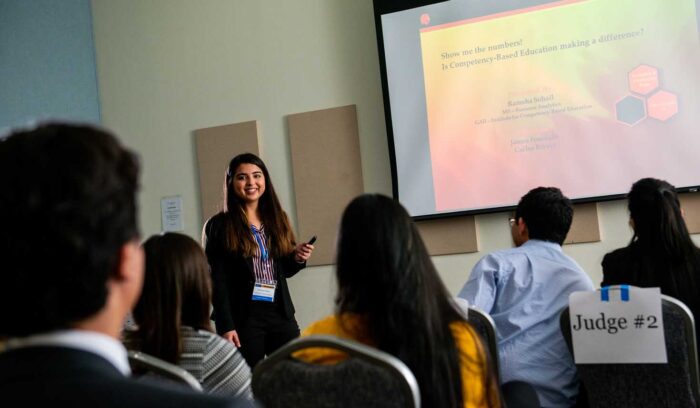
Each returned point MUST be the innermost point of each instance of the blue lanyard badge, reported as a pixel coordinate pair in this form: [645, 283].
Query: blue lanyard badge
[264, 291]
[261, 244]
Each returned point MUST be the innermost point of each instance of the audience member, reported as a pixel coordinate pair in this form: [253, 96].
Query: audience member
[172, 317]
[72, 269]
[390, 297]
[524, 289]
[661, 253]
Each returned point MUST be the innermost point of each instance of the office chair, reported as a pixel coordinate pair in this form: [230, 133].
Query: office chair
[514, 394]
[674, 384]
[149, 365]
[368, 378]
[486, 328]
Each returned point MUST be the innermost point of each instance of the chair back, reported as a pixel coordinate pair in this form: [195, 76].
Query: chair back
[368, 378]
[674, 384]
[149, 365]
[485, 326]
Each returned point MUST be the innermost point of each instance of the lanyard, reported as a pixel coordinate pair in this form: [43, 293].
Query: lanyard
[261, 244]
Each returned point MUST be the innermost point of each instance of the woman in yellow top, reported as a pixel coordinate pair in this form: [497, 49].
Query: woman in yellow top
[390, 297]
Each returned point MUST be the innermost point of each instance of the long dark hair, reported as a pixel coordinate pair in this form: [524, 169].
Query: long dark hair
[176, 292]
[238, 236]
[667, 255]
[386, 276]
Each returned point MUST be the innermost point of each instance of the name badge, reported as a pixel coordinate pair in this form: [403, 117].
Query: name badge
[264, 291]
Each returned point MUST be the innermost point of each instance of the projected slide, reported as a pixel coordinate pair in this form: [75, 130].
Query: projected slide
[585, 95]
[550, 95]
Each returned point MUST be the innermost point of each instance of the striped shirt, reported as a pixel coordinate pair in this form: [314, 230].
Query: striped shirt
[263, 265]
[215, 363]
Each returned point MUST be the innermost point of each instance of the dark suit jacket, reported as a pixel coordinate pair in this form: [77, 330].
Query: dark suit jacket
[233, 279]
[64, 377]
[632, 266]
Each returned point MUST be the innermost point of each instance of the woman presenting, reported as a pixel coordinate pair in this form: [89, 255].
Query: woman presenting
[251, 251]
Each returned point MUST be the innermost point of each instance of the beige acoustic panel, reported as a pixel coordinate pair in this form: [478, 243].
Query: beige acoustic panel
[454, 235]
[216, 146]
[585, 227]
[690, 203]
[327, 172]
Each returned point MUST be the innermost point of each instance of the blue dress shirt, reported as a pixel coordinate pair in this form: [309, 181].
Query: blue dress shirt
[524, 289]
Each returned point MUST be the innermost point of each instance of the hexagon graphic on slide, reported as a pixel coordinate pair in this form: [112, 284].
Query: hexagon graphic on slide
[662, 105]
[630, 110]
[643, 79]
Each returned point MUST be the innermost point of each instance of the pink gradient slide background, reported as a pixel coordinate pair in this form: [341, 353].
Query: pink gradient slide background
[546, 105]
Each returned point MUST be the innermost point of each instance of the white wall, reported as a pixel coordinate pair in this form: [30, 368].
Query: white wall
[167, 67]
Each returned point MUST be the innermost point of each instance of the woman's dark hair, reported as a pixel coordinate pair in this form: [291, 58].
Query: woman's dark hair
[238, 236]
[662, 238]
[386, 276]
[176, 292]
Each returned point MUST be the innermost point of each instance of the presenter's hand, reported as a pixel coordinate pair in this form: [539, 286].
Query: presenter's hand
[302, 252]
[232, 336]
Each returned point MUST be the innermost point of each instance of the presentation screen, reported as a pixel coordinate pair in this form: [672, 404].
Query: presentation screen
[486, 100]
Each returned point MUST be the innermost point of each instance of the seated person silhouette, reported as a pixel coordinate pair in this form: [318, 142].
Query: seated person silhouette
[661, 253]
[524, 289]
[391, 297]
[172, 317]
[72, 270]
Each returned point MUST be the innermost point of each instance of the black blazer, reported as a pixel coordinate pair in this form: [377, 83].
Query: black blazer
[632, 266]
[233, 279]
[58, 376]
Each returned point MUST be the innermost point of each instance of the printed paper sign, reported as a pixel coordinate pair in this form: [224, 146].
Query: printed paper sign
[171, 213]
[618, 324]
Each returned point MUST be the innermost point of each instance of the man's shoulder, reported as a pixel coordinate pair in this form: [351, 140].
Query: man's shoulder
[532, 253]
[529, 248]
[150, 393]
[77, 378]
[153, 394]
[501, 262]
[504, 256]
[551, 251]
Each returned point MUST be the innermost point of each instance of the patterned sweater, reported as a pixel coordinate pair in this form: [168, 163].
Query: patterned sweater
[212, 360]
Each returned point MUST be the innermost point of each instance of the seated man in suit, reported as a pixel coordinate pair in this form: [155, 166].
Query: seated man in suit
[524, 290]
[72, 269]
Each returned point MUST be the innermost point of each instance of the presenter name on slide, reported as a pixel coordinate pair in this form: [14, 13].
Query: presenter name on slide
[535, 99]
